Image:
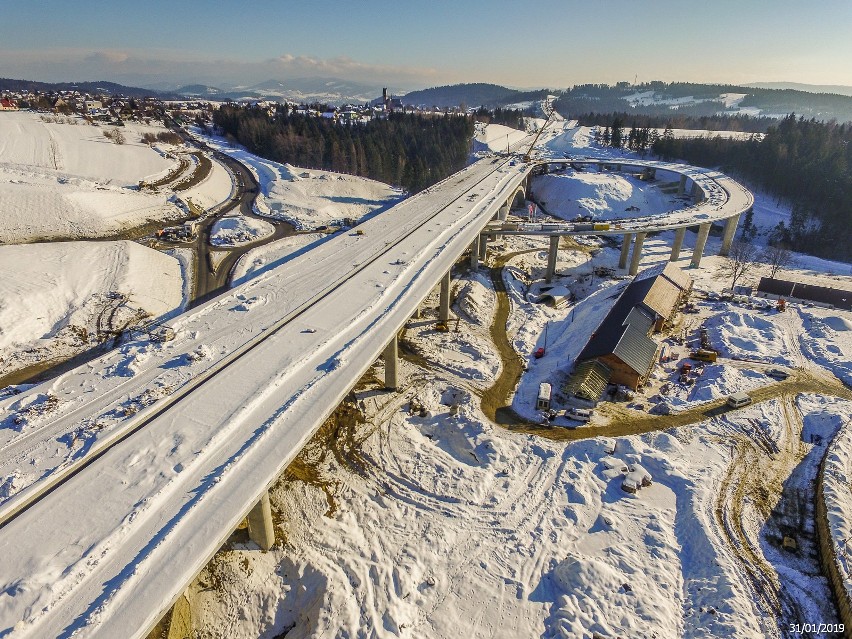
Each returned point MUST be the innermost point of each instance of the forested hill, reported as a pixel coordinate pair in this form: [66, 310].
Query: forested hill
[94, 88]
[407, 150]
[470, 95]
[804, 162]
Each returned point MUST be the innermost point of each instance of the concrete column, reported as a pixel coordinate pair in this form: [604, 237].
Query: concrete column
[637, 253]
[503, 213]
[728, 234]
[625, 250]
[483, 248]
[697, 193]
[618, 168]
[474, 254]
[391, 356]
[700, 241]
[678, 242]
[681, 187]
[260, 526]
[551, 258]
[444, 309]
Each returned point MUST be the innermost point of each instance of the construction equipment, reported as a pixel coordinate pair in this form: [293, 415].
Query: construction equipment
[441, 327]
[781, 305]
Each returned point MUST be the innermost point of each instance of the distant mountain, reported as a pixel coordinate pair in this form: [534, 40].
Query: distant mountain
[471, 95]
[332, 91]
[837, 89]
[199, 91]
[682, 99]
[100, 87]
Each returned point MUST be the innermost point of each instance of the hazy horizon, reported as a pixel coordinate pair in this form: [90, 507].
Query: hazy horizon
[557, 44]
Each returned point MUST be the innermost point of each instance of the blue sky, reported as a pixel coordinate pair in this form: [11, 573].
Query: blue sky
[409, 45]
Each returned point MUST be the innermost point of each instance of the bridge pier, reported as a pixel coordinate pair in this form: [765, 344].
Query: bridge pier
[260, 528]
[444, 308]
[552, 254]
[677, 244]
[728, 234]
[700, 241]
[483, 248]
[503, 212]
[474, 254]
[681, 187]
[391, 357]
[697, 193]
[625, 250]
[637, 253]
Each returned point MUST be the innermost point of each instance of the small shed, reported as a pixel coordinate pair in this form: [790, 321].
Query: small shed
[544, 392]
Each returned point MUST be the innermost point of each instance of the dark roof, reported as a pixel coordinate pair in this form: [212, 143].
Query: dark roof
[839, 296]
[606, 338]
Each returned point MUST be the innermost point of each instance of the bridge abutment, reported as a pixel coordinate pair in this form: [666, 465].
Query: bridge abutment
[700, 241]
[260, 528]
[637, 253]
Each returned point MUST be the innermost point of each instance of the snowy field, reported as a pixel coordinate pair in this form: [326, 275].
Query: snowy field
[446, 526]
[309, 199]
[55, 298]
[67, 181]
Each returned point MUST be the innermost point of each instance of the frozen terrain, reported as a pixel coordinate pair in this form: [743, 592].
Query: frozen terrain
[310, 199]
[66, 180]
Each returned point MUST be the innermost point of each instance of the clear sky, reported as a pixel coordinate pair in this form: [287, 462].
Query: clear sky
[411, 45]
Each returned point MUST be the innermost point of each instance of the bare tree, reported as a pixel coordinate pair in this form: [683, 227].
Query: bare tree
[776, 258]
[741, 260]
[115, 135]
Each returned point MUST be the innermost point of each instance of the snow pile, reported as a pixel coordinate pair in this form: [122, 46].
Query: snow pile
[827, 340]
[717, 381]
[740, 334]
[238, 230]
[601, 195]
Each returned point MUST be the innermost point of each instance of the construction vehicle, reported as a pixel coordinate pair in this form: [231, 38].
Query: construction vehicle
[441, 327]
[704, 355]
[781, 305]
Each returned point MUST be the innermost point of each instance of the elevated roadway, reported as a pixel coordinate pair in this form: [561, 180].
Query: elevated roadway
[128, 475]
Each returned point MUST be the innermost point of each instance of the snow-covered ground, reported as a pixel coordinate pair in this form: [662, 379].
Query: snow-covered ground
[494, 138]
[446, 526]
[268, 256]
[310, 199]
[603, 196]
[56, 298]
[61, 180]
[435, 525]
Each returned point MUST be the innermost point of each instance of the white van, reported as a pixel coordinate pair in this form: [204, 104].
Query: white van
[738, 400]
[579, 414]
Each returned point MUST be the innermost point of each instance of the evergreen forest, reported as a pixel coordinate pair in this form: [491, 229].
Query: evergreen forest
[409, 150]
[805, 163]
